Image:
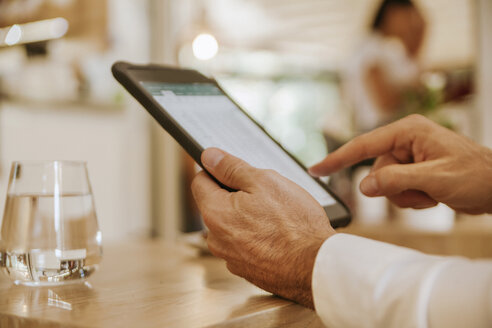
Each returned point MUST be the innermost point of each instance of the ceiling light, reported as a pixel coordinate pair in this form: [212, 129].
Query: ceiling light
[205, 46]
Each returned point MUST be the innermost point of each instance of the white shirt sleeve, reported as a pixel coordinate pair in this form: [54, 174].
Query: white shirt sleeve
[358, 282]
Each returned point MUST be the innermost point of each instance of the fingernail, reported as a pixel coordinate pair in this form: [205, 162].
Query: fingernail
[212, 157]
[312, 172]
[424, 205]
[369, 186]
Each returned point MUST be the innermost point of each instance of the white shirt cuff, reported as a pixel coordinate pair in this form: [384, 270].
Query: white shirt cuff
[358, 282]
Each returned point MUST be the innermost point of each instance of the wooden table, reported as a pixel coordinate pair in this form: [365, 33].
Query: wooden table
[151, 284]
[157, 284]
[473, 241]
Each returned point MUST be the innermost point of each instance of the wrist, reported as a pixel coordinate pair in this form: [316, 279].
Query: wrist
[304, 269]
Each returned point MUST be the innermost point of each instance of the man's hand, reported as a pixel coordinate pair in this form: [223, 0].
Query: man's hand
[268, 231]
[419, 163]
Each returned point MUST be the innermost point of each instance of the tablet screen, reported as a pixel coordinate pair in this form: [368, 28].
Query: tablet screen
[213, 120]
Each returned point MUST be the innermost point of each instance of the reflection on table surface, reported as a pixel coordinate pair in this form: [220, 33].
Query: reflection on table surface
[151, 283]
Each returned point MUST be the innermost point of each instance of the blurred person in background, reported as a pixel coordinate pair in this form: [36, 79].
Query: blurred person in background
[385, 66]
[383, 81]
[376, 79]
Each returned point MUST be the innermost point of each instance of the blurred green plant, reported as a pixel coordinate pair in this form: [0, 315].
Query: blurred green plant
[427, 100]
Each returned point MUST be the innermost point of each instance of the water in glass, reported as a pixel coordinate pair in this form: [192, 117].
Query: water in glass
[49, 231]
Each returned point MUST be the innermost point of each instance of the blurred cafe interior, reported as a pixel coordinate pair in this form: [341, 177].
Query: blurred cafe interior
[313, 73]
[294, 65]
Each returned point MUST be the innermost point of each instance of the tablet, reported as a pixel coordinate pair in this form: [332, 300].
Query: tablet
[198, 114]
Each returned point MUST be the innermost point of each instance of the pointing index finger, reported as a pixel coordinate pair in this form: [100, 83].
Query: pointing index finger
[368, 145]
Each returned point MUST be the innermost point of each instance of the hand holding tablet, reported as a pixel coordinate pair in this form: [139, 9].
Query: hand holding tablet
[199, 115]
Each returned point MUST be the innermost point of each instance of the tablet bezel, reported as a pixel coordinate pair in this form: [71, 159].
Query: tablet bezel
[130, 77]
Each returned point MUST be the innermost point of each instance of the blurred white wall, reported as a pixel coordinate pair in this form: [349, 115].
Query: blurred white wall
[45, 133]
[113, 139]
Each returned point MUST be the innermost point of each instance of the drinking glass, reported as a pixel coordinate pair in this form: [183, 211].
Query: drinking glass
[49, 233]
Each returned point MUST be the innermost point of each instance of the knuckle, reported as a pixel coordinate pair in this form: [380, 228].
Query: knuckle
[387, 180]
[380, 162]
[362, 146]
[215, 249]
[417, 120]
[399, 201]
[194, 185]
[268, 177]
[267, 174]
[364, 152]
[236, 204]
[207, 220]
[230, 267]
[197, 184]
[232, 171]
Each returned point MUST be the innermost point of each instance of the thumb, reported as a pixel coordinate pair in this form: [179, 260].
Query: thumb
[394, 179]
[227, 169]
